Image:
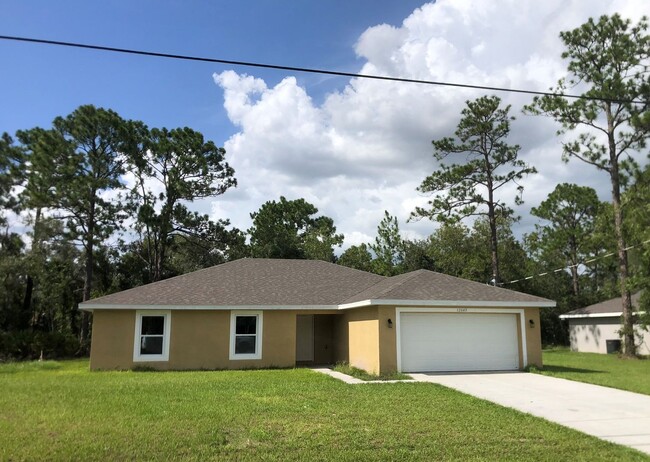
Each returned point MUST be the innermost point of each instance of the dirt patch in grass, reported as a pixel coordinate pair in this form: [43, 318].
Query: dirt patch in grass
[345, 368]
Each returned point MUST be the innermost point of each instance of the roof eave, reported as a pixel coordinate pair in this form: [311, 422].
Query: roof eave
[453, 303]
[596, 315]
[345, 306]
[114, 306]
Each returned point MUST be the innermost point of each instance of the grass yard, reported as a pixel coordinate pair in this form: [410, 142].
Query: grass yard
[61, 411]
[345, 368]
[606, 370]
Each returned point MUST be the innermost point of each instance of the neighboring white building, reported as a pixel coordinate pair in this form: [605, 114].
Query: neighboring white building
[593, 327]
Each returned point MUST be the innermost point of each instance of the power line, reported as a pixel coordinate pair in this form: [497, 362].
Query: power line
[304, 69]
[584, 263]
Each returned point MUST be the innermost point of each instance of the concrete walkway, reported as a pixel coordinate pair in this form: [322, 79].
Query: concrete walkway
[618, 416]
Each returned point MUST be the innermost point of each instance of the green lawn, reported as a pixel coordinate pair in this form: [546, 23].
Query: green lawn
[606, 370]
[61, 411]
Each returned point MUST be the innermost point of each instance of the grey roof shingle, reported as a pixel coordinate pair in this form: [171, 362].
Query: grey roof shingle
[251, 281]
[429, 285]
[615, 305]
[276, 282]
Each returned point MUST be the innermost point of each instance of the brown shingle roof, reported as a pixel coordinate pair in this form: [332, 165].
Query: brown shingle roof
[429, 285]
[276, 282]
[615, 305]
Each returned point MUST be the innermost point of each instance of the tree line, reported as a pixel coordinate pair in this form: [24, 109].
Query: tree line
[105, 204]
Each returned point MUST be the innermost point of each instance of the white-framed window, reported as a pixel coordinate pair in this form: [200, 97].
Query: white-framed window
[152, 332]
[246, 335]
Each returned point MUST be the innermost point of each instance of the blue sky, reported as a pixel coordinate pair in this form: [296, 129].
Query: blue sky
[40, 82]
[353, 148]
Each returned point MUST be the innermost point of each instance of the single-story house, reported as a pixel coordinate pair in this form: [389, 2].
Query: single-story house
[256, 313]
[593, 328]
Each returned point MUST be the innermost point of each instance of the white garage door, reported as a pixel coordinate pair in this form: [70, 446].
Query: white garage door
[458, 342]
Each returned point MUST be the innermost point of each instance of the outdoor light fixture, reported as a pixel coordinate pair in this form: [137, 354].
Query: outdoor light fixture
[531, 323]
[390, 323]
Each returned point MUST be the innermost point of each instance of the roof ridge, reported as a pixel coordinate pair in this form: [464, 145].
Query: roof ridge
[310, 260]
[357, 270]
[404, 277]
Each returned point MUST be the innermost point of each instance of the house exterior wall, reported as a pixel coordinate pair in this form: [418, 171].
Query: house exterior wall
[387, 340]
[388, 337]
[199, 339]
[363, 338]
[533, 338]
[590, 335]
[112, 339]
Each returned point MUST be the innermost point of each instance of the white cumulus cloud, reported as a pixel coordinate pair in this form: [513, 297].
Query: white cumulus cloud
[367, 147]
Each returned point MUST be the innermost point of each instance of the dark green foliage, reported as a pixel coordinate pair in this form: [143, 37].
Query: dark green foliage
[388, 247]
[637, 203]
[186, 167]
[459, 251]
[29, 345]
[610, 57]
[320, 240]
[357, 257]
[511, 253]
[417, 255]
[481, 138]
[448, 250]
[69, 168]
[605, 271]
[73, 200]
[218, 245]
[570, 211]
[11, 157]
[471, 188]
[40, 290]
[288, 229]
[12, 283]
[550, 249]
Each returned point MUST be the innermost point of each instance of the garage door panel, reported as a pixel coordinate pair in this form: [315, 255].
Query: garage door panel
[458, 342]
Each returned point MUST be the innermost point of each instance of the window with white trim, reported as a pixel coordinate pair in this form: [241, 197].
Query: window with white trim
[152, 329]
[246, 335]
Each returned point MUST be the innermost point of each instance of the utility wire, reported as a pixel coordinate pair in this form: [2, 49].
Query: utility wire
[591, 260]
[306, 69]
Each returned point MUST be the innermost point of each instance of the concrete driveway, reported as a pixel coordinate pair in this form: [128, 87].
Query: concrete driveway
[618, 416]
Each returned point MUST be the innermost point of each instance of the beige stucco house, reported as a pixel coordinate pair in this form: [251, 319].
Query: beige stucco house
[593, 328]
[255, 313]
